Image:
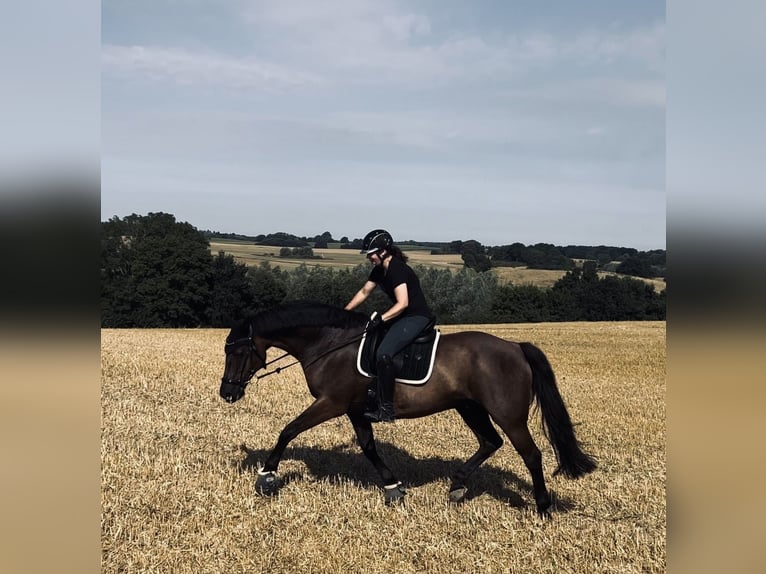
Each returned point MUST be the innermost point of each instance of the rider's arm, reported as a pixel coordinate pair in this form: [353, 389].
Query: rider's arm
[361, 295]
[402, 301]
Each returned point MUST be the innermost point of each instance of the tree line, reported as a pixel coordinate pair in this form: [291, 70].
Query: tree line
[623, 260]
[157, 272]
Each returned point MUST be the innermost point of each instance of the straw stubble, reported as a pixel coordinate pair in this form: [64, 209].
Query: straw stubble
[179, 467]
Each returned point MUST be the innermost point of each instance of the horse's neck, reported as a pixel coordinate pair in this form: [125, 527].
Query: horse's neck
[301, 343]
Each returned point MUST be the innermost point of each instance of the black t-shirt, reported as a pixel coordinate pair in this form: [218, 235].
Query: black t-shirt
[399, 272]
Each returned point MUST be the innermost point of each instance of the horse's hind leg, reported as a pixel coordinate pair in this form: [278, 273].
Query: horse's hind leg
[525, 445]
[393, 488]
[489, 441]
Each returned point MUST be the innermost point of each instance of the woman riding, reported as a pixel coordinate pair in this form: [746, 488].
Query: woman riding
[405, 319]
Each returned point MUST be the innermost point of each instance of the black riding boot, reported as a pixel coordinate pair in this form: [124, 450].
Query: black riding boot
[386, 376]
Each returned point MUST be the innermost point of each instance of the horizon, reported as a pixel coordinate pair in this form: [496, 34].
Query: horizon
[403, 241]
[399, 241]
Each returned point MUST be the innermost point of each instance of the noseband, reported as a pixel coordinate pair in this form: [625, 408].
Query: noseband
[242, 381]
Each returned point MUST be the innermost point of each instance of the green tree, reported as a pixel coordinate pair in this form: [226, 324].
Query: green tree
[477, 261]
[321, 241]
[473, 295]
[473, 255]
[516, 252]
[581, 296]
[521, 304]
[280, 239]
[623, 299]
[589, 274]
[636, 265]
[232, 293]
[437, 288]
[269, 286]
[155, 272]
[462, 297]
[328, 285]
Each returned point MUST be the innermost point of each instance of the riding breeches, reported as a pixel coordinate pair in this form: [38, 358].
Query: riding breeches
[400, 334]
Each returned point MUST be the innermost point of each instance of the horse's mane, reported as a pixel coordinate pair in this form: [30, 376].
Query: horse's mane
[298, 314]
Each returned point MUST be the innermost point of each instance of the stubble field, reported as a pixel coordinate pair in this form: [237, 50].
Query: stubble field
[178, 468]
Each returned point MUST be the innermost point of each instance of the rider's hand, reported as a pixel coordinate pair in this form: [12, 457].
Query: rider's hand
[374, 323]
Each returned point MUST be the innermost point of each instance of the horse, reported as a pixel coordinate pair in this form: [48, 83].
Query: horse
[483, 377]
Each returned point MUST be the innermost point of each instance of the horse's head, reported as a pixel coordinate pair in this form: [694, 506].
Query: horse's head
[242, 362]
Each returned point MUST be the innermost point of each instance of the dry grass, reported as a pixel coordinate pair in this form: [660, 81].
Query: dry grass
[178, 469]
[545, 278]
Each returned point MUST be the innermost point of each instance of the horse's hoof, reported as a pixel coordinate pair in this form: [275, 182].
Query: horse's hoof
[457, 495]
[267, 484]
[544, 513]
[545, 507]
[394, 494]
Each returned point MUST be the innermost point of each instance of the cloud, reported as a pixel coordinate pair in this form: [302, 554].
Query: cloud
[342, 45]
[643, 45]
[333, 97]
[185, 67]
[382, 39]
[603, 89]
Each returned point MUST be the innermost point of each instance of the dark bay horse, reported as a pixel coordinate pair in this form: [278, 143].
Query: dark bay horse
[483, 377]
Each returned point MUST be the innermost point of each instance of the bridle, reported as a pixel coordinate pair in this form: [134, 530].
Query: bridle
[243, 381]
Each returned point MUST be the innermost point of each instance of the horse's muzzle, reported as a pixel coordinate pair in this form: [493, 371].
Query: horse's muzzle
[231, 392]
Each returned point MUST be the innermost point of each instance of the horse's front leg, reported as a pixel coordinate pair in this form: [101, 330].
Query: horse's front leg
[319, 411]
[394, 492]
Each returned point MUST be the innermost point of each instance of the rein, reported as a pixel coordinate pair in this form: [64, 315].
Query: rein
[278, 369]
[312, 361]
[285, 354]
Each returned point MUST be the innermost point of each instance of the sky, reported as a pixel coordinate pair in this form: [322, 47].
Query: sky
[501, 121]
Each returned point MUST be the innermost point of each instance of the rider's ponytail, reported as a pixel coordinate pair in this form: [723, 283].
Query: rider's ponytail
[396, 252]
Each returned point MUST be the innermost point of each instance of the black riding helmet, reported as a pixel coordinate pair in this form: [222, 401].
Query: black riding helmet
[376, 240]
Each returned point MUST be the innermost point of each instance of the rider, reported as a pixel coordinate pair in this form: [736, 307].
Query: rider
[406, 318]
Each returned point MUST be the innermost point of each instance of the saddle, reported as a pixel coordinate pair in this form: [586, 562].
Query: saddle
[414, 363]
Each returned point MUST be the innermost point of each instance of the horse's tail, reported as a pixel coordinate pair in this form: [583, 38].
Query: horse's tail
[557, 425]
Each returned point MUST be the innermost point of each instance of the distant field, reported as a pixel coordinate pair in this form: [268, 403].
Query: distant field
[547, 277]
[250, 254]
[178, 468]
